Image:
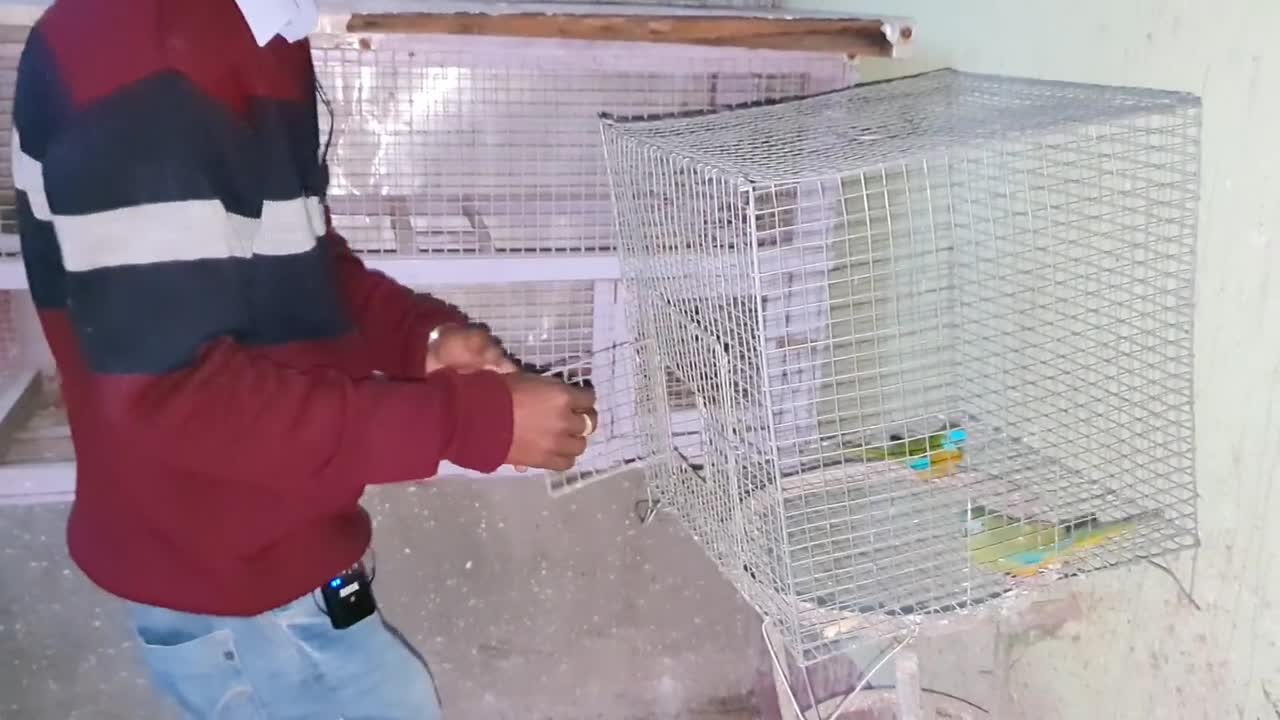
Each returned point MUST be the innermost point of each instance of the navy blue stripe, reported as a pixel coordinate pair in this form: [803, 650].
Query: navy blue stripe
[163, 140]
[151, 319]
[41, 104]
[42, 258]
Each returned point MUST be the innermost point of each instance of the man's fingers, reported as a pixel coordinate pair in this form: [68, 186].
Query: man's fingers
[478, 340]
[570, 445]
[581, 399]
[496, 360]
[485, 351]
[580, 425]
[562, 463]
[473, 348]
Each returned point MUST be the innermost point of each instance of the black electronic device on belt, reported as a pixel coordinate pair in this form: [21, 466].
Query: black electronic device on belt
[348, 598]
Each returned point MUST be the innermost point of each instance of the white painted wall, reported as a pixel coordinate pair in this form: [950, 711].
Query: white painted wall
[1140, 652]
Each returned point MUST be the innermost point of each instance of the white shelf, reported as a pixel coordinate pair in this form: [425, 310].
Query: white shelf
[53, 482]
[35, 483]
[442, 270]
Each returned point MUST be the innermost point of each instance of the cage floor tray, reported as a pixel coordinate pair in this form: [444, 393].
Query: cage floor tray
[872, 544]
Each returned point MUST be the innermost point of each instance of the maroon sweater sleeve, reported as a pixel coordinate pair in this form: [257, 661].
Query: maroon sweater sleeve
[238, 413]
[394, 321]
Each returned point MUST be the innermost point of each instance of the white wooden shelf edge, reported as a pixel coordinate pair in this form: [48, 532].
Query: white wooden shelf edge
[55, 482]
[34, 483]
[442, 271]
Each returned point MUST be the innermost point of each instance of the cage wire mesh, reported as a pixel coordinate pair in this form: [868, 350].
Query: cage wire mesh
[573, 330]
[449, 145]
[446, 147]
[937, 335]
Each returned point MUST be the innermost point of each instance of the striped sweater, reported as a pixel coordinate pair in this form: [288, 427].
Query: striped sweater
[234, 376]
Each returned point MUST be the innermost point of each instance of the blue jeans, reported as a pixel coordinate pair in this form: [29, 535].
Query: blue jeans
[284, 664]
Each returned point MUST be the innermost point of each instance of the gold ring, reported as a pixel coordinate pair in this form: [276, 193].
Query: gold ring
[591, 425]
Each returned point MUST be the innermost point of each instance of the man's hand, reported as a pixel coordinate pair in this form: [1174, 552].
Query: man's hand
[551, 421]
[466, 349]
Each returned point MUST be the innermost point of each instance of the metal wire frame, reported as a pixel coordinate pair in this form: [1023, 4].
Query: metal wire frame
[1006, 259]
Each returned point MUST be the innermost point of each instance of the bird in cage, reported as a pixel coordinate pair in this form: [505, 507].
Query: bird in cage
[933, 456]
[1022, 548]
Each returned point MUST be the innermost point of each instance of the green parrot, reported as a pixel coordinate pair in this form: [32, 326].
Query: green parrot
[932, 457]
[1022, 548]
[947, 439]
[903, 449]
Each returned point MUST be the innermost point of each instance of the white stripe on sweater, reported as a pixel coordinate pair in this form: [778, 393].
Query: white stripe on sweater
[169, 232]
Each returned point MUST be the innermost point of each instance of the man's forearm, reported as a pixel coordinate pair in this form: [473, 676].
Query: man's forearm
[394, 321]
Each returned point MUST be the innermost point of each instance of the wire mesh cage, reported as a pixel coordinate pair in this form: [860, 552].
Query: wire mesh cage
[483, 155]
[465, 146]
[936, 333]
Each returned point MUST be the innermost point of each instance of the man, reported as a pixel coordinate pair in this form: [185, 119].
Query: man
[234, 376]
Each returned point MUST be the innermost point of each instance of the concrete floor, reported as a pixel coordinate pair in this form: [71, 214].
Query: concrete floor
[528, 608]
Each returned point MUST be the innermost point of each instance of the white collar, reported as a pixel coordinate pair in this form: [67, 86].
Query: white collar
[290, 19]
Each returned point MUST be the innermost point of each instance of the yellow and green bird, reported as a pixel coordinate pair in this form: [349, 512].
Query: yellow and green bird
[1022, 548]
[933, 456]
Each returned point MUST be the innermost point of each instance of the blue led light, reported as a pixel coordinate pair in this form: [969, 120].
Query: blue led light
[335, 582]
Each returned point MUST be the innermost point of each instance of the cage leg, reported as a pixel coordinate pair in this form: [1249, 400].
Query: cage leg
[781, 678]
[866, 676]
[907, 676]
[647, 508]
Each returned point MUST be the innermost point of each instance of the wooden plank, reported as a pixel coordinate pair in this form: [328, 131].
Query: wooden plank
[851, 36]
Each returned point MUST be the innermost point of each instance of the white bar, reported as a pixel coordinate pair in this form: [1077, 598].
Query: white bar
[448, 469]
[34, 483]
[439, 271]
[12, 275]
[53, 482]
[21, 12]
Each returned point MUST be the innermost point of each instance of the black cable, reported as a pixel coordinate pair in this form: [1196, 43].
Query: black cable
[328, 106]
[939, 693]
[323, 97]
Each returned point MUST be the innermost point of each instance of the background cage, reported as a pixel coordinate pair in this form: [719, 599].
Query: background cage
[827, 277]
[469, 167]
